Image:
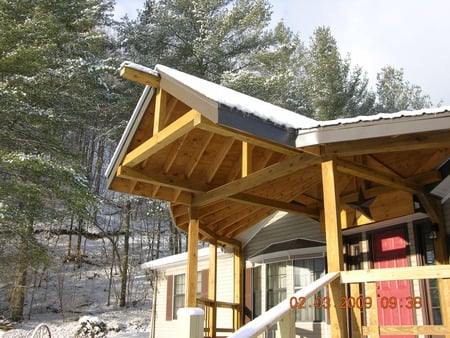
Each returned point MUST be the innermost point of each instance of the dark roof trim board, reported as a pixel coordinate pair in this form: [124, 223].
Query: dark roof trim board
[250, 124]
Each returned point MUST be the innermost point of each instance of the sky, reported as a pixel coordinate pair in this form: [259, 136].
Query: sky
[410, 34]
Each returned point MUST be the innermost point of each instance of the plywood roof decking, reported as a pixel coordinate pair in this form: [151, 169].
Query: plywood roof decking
[184, 155]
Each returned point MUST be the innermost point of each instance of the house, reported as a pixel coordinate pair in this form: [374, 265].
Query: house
[366, 198]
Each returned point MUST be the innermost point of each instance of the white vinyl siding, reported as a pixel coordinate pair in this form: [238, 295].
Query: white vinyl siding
[284, 227]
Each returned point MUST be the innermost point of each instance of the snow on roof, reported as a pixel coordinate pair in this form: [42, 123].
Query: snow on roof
[379, 117]
[236, 100]
[178, 259]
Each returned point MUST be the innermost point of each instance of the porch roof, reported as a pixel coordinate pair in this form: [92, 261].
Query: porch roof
[236, 159]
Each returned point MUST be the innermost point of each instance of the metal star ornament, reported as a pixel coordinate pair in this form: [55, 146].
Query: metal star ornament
[362, 204]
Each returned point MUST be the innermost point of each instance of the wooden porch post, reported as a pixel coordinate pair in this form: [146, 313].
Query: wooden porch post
[335, 255]
[441, 257]
[212, 289]
[238, 288]
[192, 263]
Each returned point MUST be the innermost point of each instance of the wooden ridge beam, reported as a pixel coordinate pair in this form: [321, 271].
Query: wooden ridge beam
[389, 180]
[127, 71]
[165, 137]
[257, 178]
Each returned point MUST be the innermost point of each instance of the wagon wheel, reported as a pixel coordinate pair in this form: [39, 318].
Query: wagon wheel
[41, 331]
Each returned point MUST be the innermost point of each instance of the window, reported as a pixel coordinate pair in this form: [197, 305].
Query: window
[307, 271]
[276, 283]
[179, 289]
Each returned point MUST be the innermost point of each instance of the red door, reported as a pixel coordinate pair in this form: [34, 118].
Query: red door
[390, 251]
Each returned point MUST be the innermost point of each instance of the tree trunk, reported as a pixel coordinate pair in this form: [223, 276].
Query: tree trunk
[17, 300]
[126, 244]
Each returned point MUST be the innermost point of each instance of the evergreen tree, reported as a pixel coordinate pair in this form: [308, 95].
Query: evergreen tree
[332, 88]
[202, 37]
[274, 74]
[394, 93]
[50, 62]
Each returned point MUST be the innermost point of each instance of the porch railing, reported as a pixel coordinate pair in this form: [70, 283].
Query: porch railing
[283, 312]
[283, 315]
[210, 307]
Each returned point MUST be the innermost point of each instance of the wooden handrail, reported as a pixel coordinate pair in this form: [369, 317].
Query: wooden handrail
[272, 316]
[402, 273]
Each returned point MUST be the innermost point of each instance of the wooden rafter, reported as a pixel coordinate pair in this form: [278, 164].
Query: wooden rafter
[159, 179]
[219, 239]
[164, 138]
[220, 156]
[383, 178]
[195, 159]
[257, 178]
[271, 203]
[160, 110]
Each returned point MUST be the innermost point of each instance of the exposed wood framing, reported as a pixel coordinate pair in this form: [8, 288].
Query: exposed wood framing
[275, 204]
[247, 159]
[238, 262]
[389, 180]
[192, 261]
[139, 76]
[274, 171]
[373, 330]
[160, 110]
[338, 321]
[214, 237]
[165, 137]
[212, 289]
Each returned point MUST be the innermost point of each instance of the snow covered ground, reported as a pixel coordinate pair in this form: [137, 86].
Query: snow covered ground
[132, 322]
[60, 295]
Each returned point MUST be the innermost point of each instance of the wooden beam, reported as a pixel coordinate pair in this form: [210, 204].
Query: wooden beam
[192, 263]
[335, 253]
[160, 110]
[212, 289]
[403, 273]
[247, 159]
[275, 204]
[428, 330]
[165, 137]
[238, 298]
[127, 71]
[218, 238]
[255, 179]
[220, 156]
[389, 180]
[158, 179]
[373, 329]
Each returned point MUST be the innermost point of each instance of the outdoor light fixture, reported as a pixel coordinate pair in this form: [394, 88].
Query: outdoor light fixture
[433, 234]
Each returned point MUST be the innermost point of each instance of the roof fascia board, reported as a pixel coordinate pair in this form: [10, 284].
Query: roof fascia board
[363, 130]
[130, 130]
[207, 107]
[250, 124]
